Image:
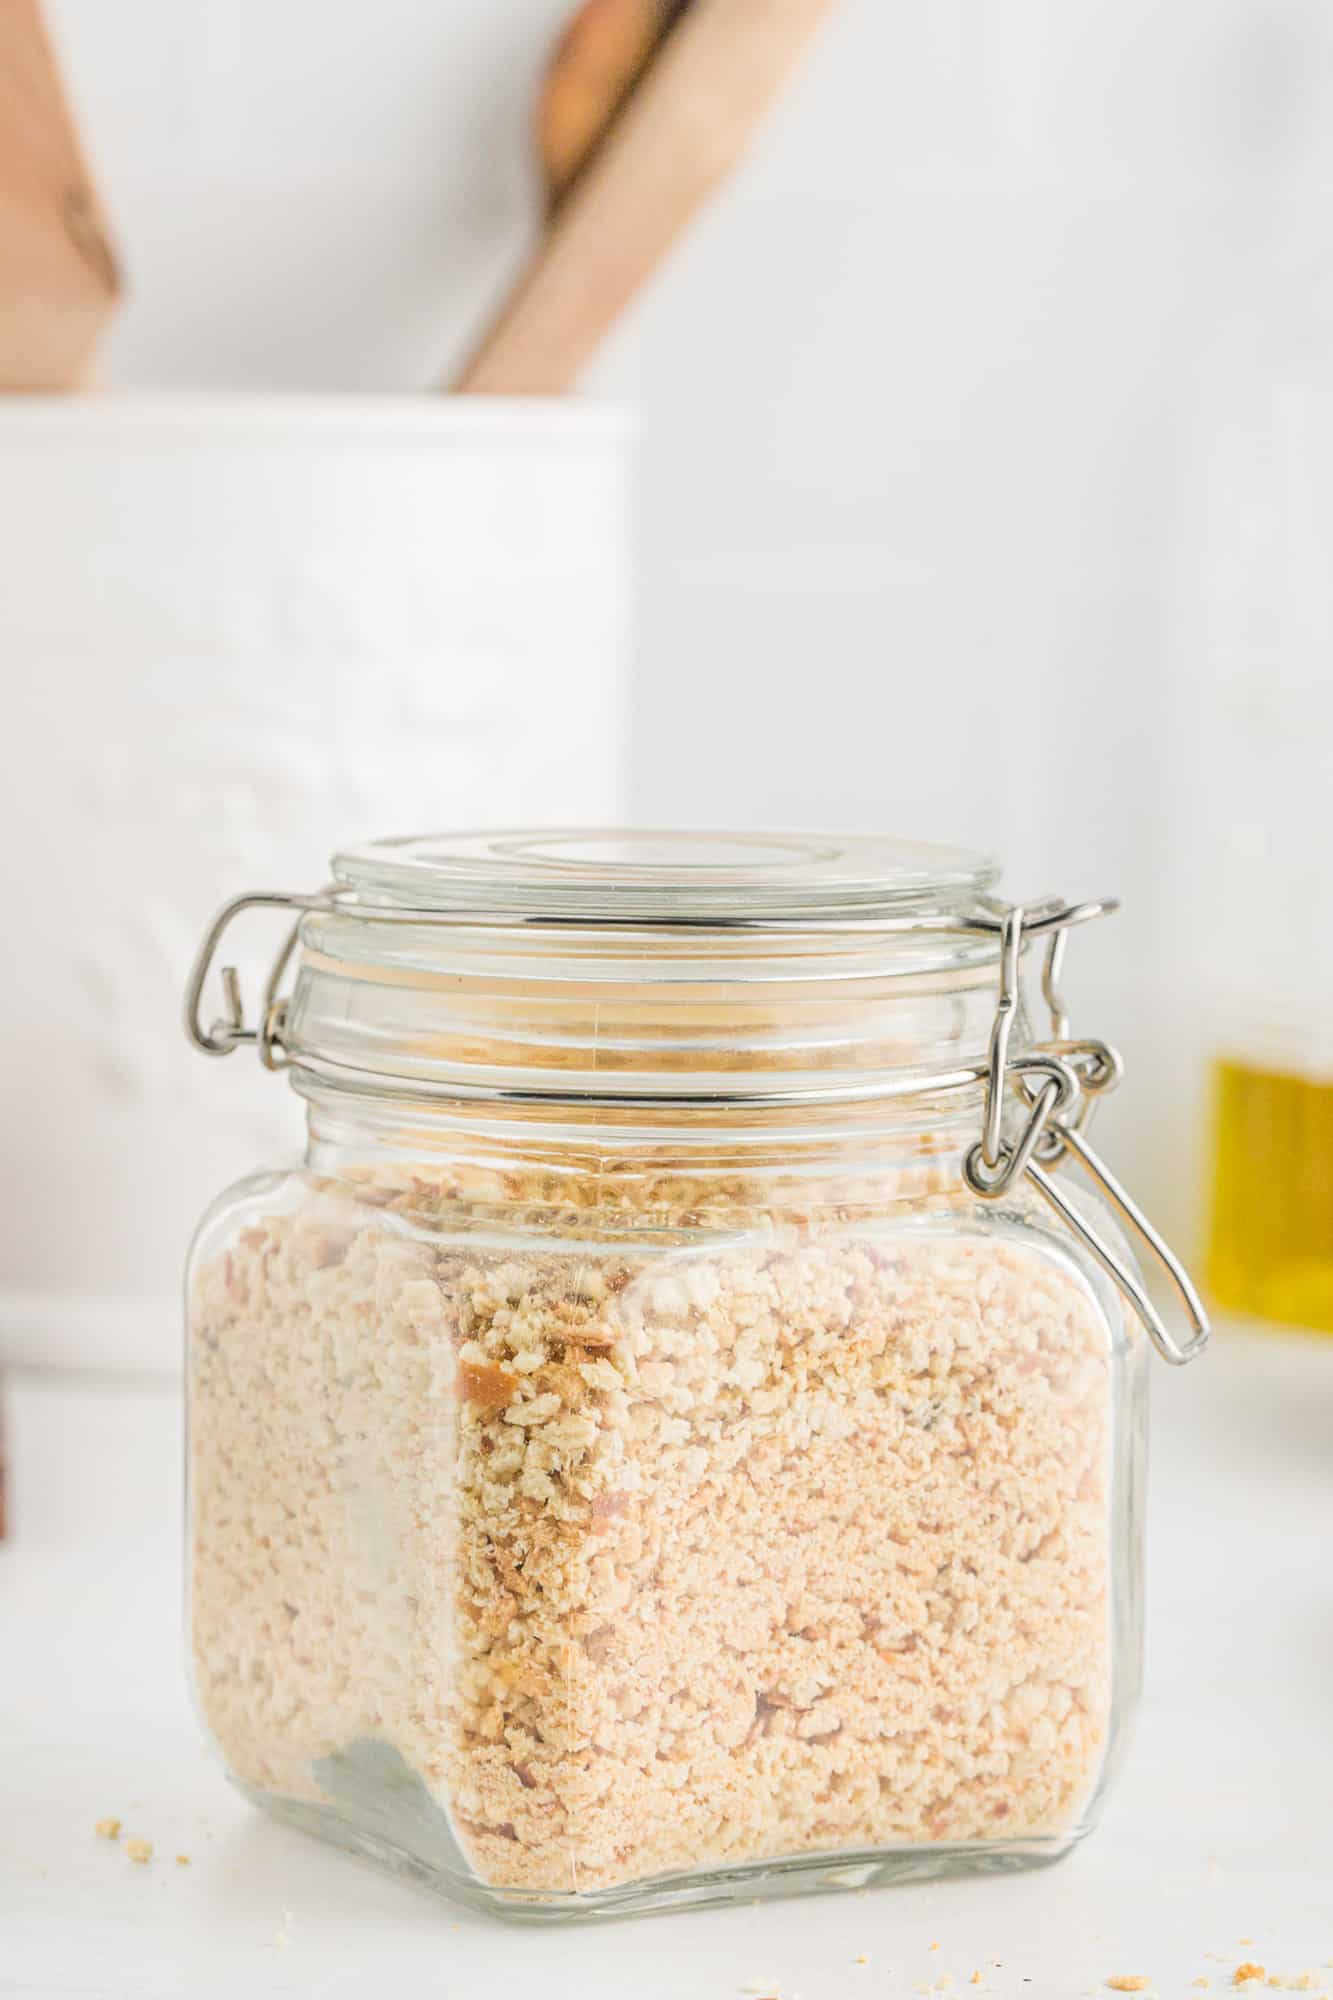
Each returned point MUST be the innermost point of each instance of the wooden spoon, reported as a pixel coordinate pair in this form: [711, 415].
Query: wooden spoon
[58, 277]
[602, 55]
[693, 97]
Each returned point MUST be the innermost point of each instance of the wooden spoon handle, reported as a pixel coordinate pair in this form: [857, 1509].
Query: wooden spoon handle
[602, 57]
[58, 275]
[679, 136]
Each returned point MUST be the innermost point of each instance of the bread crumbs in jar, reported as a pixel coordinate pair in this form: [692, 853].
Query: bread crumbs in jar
[675, 1440]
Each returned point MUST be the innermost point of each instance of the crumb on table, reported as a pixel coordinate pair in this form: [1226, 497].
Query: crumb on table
[139, 1850]
[108, 1829]
[1128, 1982]
[1246, 1973]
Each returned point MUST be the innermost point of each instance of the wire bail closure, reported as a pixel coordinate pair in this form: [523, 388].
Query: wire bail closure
[229, 1031]
[1059, 1082]
[1075, 1074]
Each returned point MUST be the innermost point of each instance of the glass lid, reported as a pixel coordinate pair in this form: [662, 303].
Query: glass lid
[639, 875]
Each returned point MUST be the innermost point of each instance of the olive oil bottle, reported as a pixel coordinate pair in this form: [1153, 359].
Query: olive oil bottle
[1270, 1238]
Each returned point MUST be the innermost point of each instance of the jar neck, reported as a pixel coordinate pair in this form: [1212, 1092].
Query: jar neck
[774, 1158]
[694, 1016]
[752, 1059]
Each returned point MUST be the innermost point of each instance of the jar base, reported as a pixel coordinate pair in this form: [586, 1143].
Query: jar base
[446, 1872]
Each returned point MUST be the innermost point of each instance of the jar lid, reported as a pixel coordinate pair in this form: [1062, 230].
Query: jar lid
[632, 875]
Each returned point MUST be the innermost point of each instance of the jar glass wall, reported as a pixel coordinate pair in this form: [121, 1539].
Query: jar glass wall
[607, 1499]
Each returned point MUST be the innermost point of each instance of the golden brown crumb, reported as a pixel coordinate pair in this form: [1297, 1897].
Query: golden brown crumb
[860, 1959]
[108, 1829]
[1246, 1972]
[182, 1860]
[139, 1850]
[1128, 1982]
[490, 1388]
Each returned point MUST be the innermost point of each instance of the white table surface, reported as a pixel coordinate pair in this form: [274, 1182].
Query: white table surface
[1221, 1830]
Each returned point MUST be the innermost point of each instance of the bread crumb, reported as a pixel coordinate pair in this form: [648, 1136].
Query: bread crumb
[976, 1979]
[612, 1596]
[139, 1850]
[1246, 1973]
[1128, 1982]
[860, 1959]
[182, 1860]
[108, 1829]
[491, 1388]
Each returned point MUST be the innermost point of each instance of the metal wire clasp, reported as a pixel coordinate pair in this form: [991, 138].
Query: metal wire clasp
[1059, 1085]
[231, 1029]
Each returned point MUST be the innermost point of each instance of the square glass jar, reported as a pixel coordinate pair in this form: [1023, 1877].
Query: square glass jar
[650, 1453]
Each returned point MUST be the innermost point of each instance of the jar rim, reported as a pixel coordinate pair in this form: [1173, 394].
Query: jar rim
[643, 875]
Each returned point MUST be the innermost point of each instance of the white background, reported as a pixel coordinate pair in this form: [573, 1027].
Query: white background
[927, 396]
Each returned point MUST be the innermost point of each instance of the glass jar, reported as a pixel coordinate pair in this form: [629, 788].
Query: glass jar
[674, 1440]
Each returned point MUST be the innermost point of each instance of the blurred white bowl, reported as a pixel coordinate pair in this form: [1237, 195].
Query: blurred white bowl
[233, 635]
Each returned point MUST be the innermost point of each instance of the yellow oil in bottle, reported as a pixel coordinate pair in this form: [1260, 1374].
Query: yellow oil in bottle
[1270, 1247]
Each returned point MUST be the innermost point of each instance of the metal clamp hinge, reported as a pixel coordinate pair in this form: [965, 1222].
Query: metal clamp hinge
[1060, 1084]
[229, 1031]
